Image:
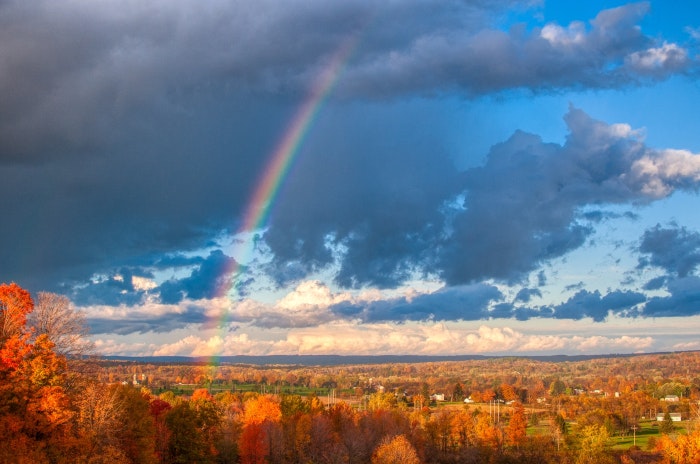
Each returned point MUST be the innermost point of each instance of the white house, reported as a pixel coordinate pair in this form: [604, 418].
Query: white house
[675, 416]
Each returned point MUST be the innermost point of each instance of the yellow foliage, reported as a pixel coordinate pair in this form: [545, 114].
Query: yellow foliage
[260, 409]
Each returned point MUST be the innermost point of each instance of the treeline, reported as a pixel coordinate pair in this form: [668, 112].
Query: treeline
[657, 375]
[55, 409]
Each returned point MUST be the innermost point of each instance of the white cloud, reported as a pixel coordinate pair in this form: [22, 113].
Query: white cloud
[694, 32]
[111, 347]
[310, 295]
[655, 60]
[143, 283]
[661, 172]
[564, 36]
[687, 346]
[392, 339]
[607, 345]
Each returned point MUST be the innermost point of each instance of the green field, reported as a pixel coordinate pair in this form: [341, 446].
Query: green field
[187, 389]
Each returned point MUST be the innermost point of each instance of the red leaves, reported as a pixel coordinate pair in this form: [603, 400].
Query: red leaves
[261, 409]
[15, 304]
[12, 352]
[254, 444]
[159, 407]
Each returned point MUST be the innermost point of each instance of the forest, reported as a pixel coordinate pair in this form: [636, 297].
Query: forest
[59, 403]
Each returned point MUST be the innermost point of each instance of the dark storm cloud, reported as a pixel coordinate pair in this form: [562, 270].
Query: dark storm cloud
[524, 313]
[674, 249]
[656, 283]
[387, 215]
[522, 207]
[73, 75]
[382, 206]
[593, 305]
[684, 299]
[76, 77]
[611, 50]
[468, 302]
[208, 280]
[144, 321]
[117, 289]
[129, 132]
[525, 294]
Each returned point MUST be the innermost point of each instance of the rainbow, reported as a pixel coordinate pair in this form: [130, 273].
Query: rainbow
[267, 187]
[283, 155]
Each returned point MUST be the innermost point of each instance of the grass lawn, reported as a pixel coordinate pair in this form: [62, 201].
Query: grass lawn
[645, 432]
[187, 389]
[641, 438]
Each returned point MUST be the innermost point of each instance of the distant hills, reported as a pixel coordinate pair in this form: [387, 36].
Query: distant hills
[336, 360]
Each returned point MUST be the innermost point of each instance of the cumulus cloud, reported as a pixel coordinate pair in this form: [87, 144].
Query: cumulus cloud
[659, 61]
[210, 279]
[529, 203]
[609, 51]
[683, 299]
[468, 302]
[661, 172]
[537, 190]
[674, 249]
[423, 339]
[147, 317]
[523, 207]
[526, 294]
[131, 132]
[597, 307]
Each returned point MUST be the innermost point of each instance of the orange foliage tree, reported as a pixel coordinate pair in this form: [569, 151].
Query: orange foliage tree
[683, 449]
[396, 450]
[35, 411]
[15, 304]
[261, 415]
[516, 429]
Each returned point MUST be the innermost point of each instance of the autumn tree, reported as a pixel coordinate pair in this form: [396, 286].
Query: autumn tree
[559, 429]
[593, 442]
[55, 317]
[458, 392]
[557, 388]
[487, 434]
[158, 409]
[381, 400]
[517, 425]
[666, 425]
[187, 442]
[15, 304]
[136, 436]
[396, 450]
[462, 429]
[260, 422]
[98, 413]
[254, 447]
[508, 392]
[260, 409]
[345, 422]
[35, 412]
[682, 449]
[325, 445]
[439, 431]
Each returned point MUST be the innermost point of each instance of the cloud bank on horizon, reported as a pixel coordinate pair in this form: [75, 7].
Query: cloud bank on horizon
[132, 137]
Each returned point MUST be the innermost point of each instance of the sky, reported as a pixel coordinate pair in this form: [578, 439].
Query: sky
[260, 177]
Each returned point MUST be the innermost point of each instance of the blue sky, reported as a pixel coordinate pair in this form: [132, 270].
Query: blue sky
[505, 177]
